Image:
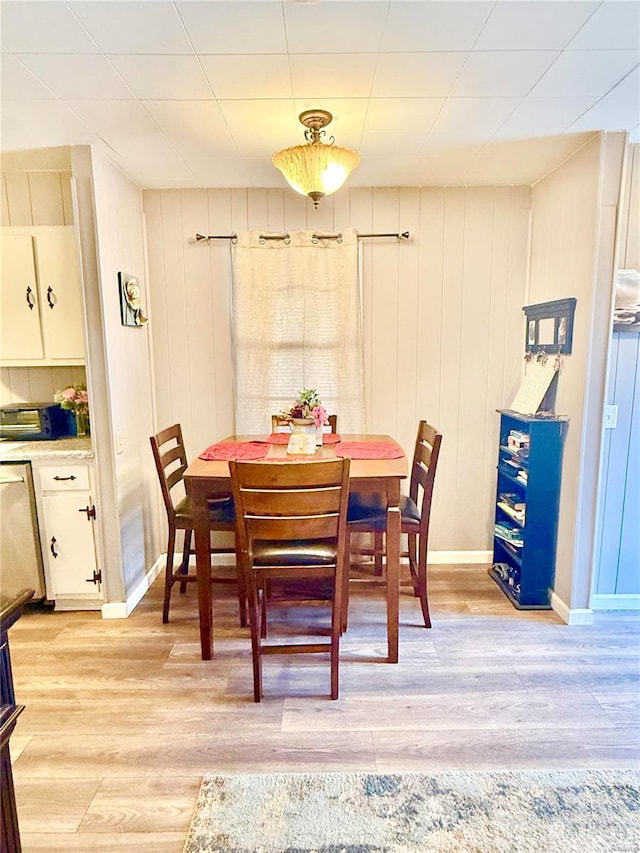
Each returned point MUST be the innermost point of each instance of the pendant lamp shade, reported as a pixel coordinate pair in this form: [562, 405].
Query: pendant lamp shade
[317, 168]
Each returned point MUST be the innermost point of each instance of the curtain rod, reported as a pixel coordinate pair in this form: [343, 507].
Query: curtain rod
[287, 239]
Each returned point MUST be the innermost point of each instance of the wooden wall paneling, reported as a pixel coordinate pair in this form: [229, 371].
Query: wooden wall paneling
[474, 358]
[605, 568]
[5, 219]
[295, 210]
[47, 206]
[275, 210]
[452, 281]
[408, 314]
[156, 305]
[18, 198]
[342, 211]
[321, 219]
[199, 320]
[179, 389]
[219, 256]
[384, 317]
[628, 578]
[429, 311]
[258, 210]
[67, 199]
[632, 247]
[240, 210]
[517, 292]
[362, 219]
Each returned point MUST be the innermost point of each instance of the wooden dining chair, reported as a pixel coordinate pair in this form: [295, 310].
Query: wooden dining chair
[279, 424]
[171, 462]
[292, 531]
[415, 511]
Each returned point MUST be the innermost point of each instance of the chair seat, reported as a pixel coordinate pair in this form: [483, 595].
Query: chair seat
[374, 517]
[297, 552]
[221, 511]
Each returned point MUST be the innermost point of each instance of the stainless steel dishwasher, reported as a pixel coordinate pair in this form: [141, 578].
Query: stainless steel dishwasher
[20, 555]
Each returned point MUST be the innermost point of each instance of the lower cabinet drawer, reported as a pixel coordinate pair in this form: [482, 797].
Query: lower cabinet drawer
[64, 478]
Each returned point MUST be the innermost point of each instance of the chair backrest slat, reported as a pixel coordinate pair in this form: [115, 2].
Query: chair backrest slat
[171, 462]
[423, 470]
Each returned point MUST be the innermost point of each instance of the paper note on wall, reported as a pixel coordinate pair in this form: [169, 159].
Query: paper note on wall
[534, 386]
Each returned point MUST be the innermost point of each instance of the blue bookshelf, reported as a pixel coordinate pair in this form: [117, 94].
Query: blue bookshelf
[526, 508]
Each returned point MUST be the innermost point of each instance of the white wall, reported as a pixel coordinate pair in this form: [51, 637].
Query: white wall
[126, 382]
[443, 322]
[572, 251]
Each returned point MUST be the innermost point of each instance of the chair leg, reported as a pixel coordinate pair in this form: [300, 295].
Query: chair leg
[184, 565]
[254, 622]
[412, 541]
[378, 546]
[344, 616]
[168, 574]
[422, 581]
[242, 588]
[337, 615]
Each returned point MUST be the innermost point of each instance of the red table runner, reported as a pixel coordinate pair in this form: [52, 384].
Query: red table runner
[283, 438]
[369, 450]
[226, 450]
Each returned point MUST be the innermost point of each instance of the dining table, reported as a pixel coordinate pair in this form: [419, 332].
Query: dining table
[377, 467]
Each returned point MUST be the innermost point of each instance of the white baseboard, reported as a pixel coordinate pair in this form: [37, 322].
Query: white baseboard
[121, 609]
[464, 558]
[615, 602]
[577, 616]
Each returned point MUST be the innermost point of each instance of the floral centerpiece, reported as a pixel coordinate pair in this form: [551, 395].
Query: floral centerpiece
[307, 407]
[74, 398]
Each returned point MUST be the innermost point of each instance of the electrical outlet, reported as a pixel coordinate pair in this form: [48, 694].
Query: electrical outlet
[119, 442]
[610, 417]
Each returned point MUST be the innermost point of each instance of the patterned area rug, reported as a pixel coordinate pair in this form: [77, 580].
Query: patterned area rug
[542, 811]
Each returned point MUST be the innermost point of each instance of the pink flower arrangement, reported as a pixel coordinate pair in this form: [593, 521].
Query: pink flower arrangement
[307, 405]
[75, 398]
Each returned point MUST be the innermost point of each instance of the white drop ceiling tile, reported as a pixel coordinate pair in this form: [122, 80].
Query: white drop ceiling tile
[43, 27]
[469, 121]
[157, 166]
[128, 26]
[421, 26]
[125, 125]
[338, 75]
[248, 76]
[163, 77]
[391, 143]
[346, 27]
[77, 75]
[542, 117]
[614, 25]
[232, 27]
[585, 72]
[416, 75]
[219, 172]
[395, 114]
[502, 73]
[262, 173]
[620, 109]
[260, 128]
[534, 25]
[22, 123]
[195, 128]
[18, 83]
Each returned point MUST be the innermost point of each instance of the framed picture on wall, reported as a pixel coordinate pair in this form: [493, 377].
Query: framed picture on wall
[550, 326]
[131, 312]
[626, 313]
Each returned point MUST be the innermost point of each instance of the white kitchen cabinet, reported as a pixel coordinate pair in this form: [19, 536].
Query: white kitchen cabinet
[41, 297]
[67, 532]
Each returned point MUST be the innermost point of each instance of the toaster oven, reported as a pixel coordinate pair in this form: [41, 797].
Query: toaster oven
[35, 422]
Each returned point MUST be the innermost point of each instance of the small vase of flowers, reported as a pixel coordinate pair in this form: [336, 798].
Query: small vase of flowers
[74, 398]
[307, 411]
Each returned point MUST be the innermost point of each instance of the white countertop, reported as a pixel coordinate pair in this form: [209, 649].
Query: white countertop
[62, 448]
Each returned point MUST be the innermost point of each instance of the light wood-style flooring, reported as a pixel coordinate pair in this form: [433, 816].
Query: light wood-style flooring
[123, 719]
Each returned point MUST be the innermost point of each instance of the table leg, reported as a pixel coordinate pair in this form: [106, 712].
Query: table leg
[393, 568]
[203, 569]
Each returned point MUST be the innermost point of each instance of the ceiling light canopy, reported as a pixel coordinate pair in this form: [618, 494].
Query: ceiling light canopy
[317, 168]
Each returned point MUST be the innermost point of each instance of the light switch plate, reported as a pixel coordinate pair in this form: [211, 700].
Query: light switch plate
[610, 417]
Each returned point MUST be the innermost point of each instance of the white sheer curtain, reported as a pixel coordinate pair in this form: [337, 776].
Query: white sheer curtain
[297, 324]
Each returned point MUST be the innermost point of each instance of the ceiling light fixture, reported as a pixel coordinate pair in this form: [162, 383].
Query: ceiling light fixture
[317, 168]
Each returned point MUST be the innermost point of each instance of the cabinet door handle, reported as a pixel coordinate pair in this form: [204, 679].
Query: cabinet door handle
[90, 511]
[53, 550]
[52, 299]
[31, 300]
[72, 477]
[97, 577]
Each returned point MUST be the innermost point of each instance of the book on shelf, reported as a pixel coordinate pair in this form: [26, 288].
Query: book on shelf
[512, 535]
[514, 501]
[517, 514]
